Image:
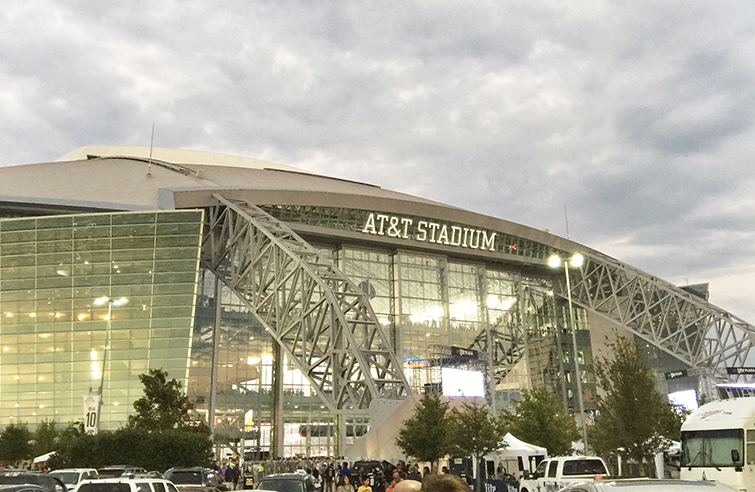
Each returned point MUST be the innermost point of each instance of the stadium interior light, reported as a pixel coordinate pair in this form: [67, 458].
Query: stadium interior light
[114, 302]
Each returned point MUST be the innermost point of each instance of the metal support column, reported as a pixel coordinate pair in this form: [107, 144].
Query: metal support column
[523, 302]
[278, 422]
[215, 357]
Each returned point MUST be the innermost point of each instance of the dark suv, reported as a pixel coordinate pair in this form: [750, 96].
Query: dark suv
[51, 484]
[287, 482]
[379, 472]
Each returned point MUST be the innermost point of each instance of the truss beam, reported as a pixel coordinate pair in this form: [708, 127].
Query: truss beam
[682, 324]
[321, 319]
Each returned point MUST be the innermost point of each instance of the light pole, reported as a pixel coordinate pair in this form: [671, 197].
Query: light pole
[575, 261]
[110, 303]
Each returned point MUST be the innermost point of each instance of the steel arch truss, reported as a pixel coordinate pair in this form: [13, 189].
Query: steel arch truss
[680, 323]
[508, 348]
[321, 319]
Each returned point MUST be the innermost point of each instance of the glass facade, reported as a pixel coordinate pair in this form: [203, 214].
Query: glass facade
[425, 303]
[54, 339]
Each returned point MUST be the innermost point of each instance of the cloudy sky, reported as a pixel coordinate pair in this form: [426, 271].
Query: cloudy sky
[636, 117]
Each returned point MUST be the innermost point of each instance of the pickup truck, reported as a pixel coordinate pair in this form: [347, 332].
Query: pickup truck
[555, 473]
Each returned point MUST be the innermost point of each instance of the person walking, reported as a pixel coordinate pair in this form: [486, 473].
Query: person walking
[249, 475]
[228, 476]
[236, 472]
[328, 477]
[317, 480]
[345, 485]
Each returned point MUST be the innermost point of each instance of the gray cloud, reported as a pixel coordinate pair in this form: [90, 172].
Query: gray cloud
[633, 115]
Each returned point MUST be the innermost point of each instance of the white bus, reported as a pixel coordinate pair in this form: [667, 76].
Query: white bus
[718, 443]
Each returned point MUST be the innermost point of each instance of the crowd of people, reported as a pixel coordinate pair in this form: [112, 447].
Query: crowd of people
[336, 476]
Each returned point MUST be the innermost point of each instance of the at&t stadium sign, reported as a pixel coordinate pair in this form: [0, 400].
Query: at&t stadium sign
[427, 231]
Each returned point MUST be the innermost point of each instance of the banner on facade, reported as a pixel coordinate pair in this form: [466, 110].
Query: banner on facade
[92, 407]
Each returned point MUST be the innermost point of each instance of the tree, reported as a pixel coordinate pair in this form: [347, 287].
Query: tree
[539, 418]
[160, 436]
[45, 438]
[164, 406]
[14, 443]
[140, 447]
[632, 414]
[475, 432]
[424, 436]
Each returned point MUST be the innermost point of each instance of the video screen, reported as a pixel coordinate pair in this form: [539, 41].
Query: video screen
[457, 382]
[685, 399]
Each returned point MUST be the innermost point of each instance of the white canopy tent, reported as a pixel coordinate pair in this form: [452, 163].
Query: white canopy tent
[518, 456]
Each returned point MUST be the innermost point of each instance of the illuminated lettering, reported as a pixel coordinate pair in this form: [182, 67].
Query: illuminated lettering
[434, 228]
[369, 227]
[488, 243]
[382, 218]
[443, 236]
[393, 229]
[476, 244]
[407, 223]
[455, 238]
[403, 227]
[422, 236]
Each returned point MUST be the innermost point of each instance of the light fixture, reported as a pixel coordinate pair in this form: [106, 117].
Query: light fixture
[576, 261]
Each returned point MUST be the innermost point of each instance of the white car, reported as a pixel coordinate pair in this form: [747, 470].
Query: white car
[72, 476]
[125, 484]
[647, 485]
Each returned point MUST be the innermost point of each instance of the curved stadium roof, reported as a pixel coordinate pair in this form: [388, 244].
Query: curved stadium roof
[96, 178]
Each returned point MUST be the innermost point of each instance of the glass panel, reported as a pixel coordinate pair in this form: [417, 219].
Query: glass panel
[53, 335]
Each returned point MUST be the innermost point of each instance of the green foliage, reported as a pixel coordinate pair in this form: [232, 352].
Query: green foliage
[539, 418]
[160, 435]
[163, 406]
[475, 432]
[45, 438]
[424, 436]
[14, 443]
[632, 414]
[150, 450]
[74, 447]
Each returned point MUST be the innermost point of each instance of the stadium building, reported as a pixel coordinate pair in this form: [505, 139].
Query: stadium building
[300, 310]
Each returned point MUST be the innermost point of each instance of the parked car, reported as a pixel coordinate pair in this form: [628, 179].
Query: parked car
[24, 487]
[647, 485]
[50, 484]
[72, 476]
[287, 482]
[125, 484]
[196, 479]
[149, 474]
[115, 471]
[555, 473]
